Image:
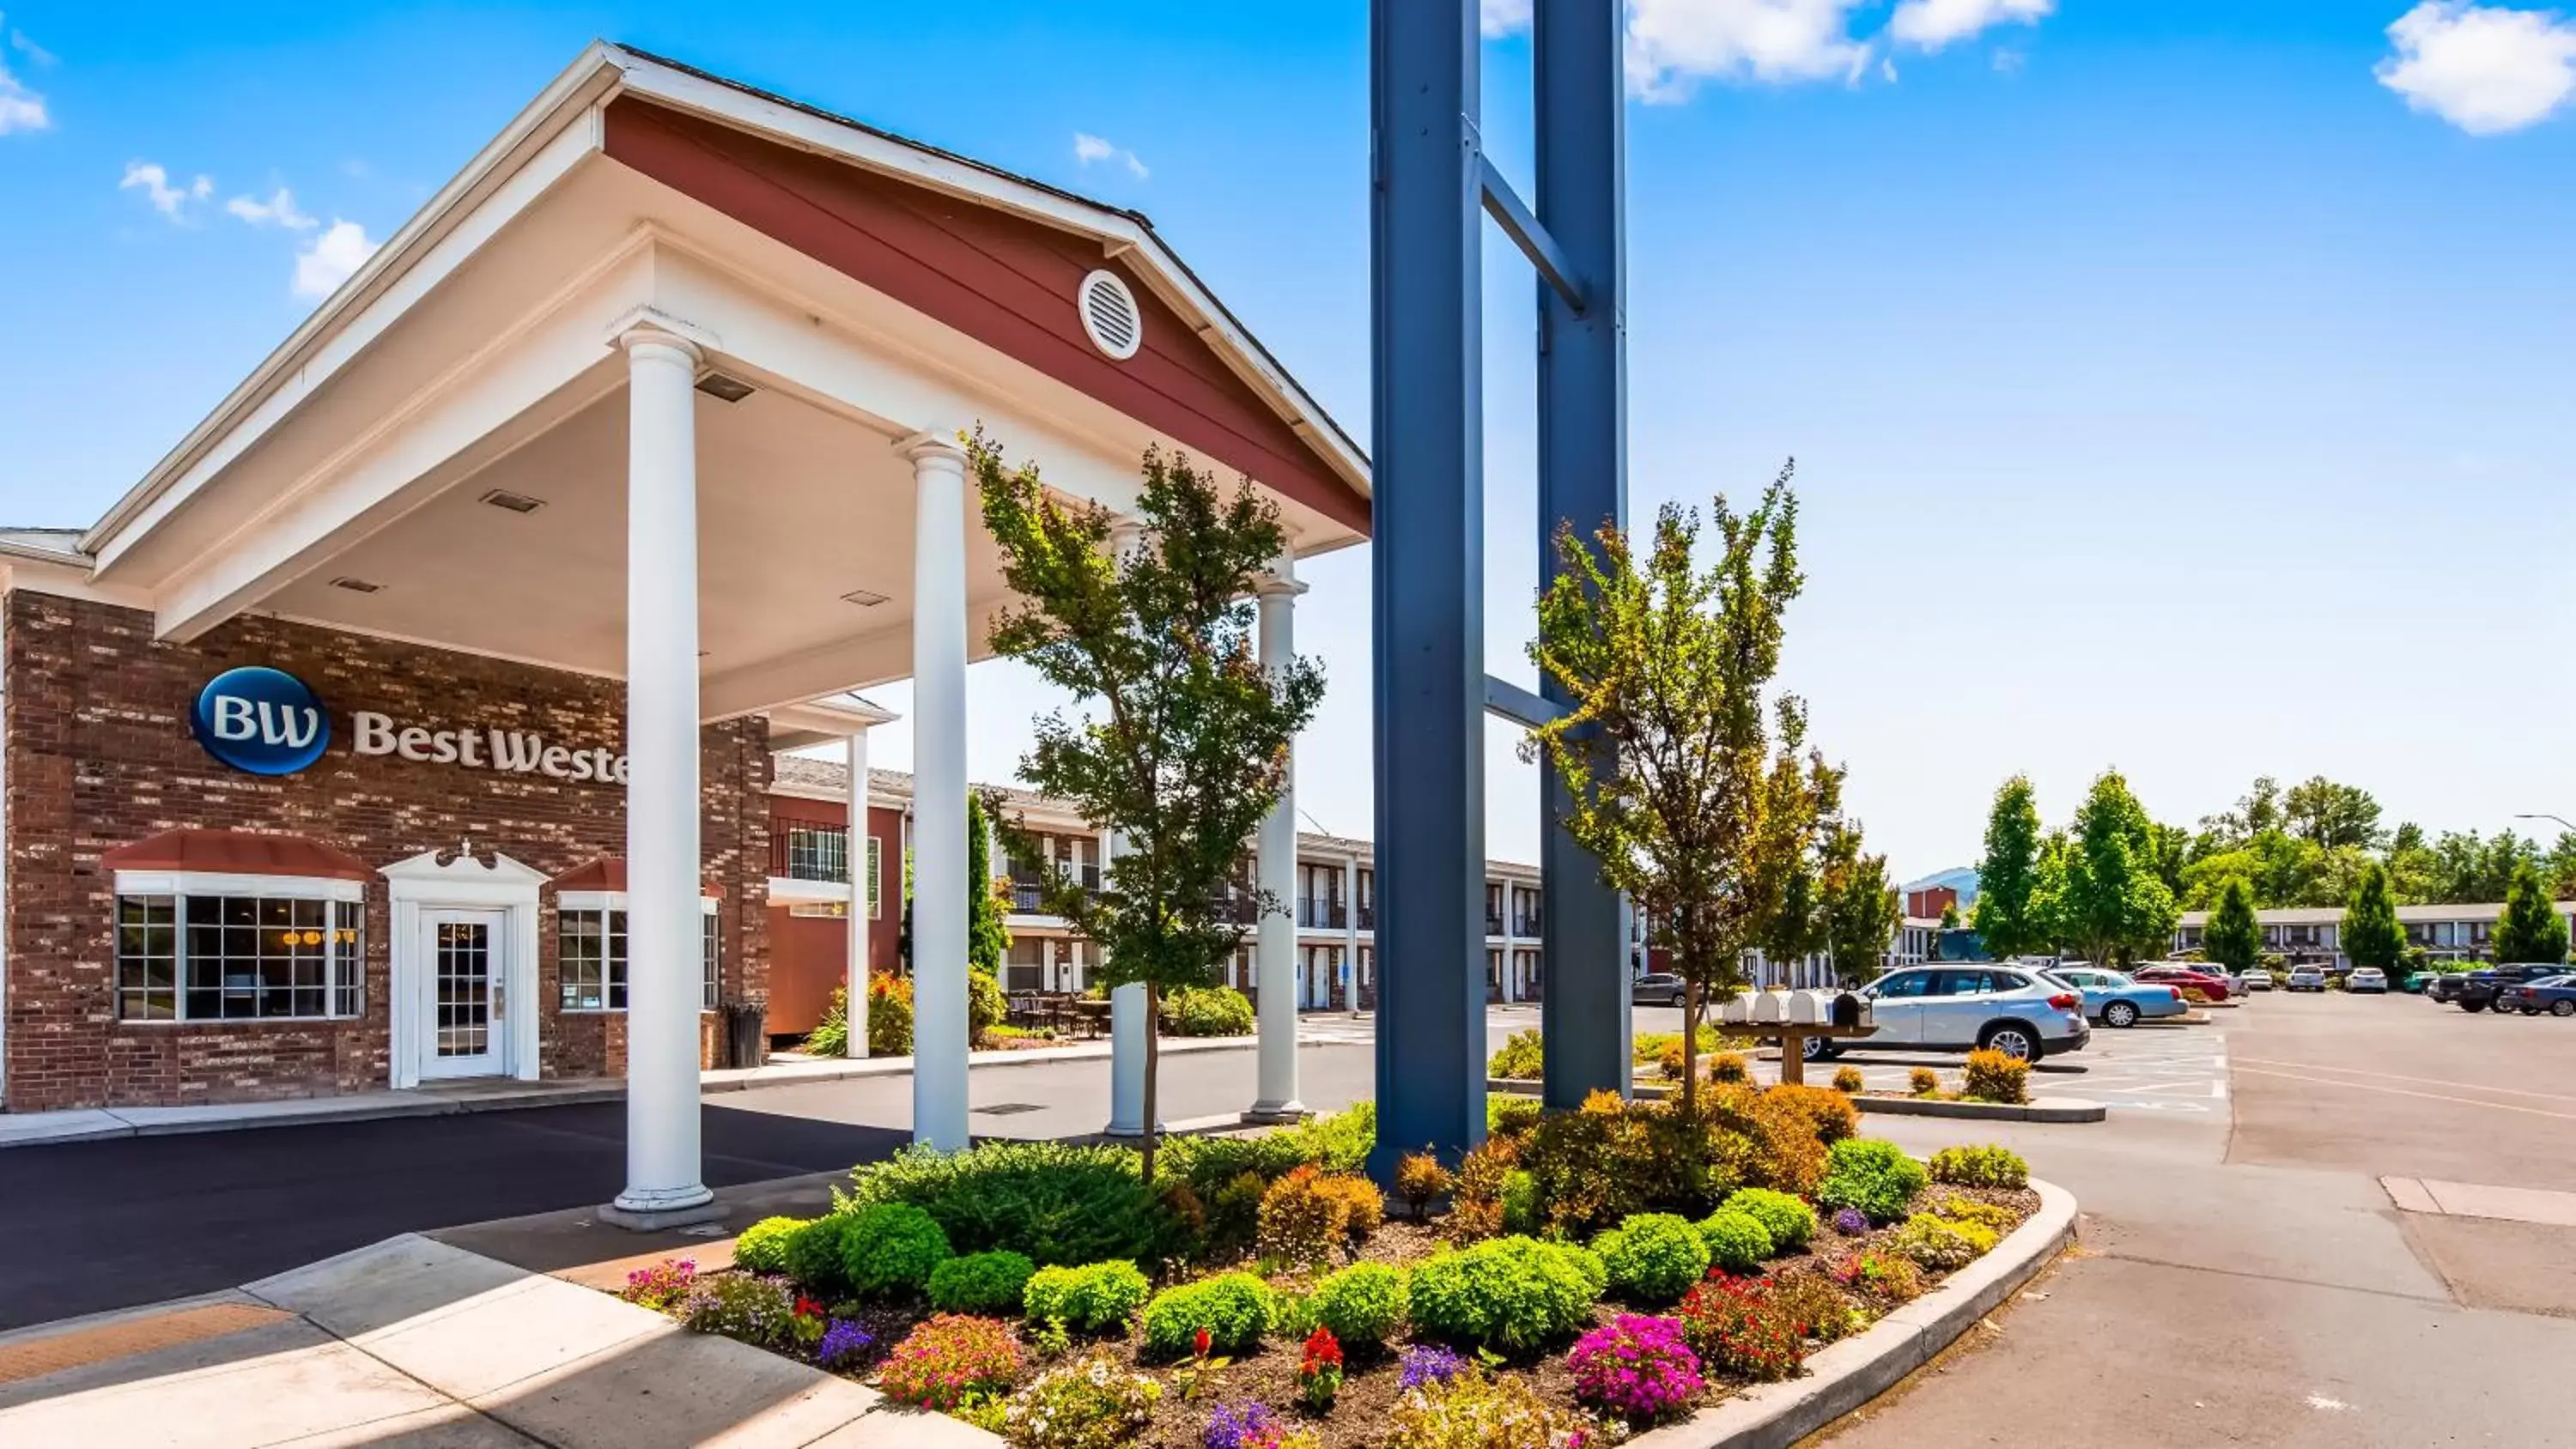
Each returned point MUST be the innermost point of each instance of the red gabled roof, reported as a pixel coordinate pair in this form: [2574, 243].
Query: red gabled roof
[237, 852]
[608, 873]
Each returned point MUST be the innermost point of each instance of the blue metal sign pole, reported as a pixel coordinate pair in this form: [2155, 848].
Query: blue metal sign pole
[1583, 480]
[1427, 415]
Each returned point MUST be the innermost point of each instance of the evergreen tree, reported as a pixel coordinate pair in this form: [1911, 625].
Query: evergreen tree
[2235, 937]
[2530, 928]
[1862, 912]
[2371, 935]
[987, 898]
[2008, 877]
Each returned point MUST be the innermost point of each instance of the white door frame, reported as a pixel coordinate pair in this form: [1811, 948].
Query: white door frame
[462, 883]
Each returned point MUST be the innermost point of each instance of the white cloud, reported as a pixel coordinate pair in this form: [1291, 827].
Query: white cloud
[1932, 24]
[22, 109]
[1675, 44]
[323, 263]
[1502, 17]
[278, 210]
[154, 182]
[1088, 148]
[2484, 69]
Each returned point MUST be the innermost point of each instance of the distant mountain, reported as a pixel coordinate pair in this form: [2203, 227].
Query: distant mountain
[1960, 878]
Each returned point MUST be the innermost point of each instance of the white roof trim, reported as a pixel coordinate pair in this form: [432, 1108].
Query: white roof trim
[238, 883]
[612, 901]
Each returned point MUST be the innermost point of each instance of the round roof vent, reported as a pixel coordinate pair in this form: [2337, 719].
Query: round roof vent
[1110, 315]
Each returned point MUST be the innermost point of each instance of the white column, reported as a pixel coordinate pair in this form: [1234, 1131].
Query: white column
[664, 944]
[939, 793]
[1351, 935]
[1275, 942]
[1129, 1022]
[859, 883]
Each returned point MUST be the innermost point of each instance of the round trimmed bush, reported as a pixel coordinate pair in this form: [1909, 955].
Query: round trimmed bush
[1875, 1176]
[1940, 1244]
[1093, 1298]
[1236, 1309]
[1979, 1167]
[1788, 1219]
[989, 1283]
[813, 1256]
[1513, 1295]
[1208, 1011]
[1653, 1258]
[1363, 1304]
[889, 1249]
[1736, 1241]
[1522, 1057]
[762, 1247]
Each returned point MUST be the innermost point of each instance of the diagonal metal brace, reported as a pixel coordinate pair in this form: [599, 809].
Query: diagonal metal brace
[1508, 701]
[1505, 207]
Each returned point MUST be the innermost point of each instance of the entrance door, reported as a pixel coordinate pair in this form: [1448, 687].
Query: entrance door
[465, 952]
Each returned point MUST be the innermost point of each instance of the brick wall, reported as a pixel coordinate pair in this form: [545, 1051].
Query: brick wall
[100, 754]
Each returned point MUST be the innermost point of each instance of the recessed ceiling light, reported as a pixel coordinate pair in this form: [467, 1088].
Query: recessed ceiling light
[864, 598]
[515, 502]
[356, 586]
[726, 389]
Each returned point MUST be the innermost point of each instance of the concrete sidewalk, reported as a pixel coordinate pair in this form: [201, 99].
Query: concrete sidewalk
[27, 1129]
[418, 1343]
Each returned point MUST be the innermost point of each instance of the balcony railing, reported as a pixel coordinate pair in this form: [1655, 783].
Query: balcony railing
[1525, 925]
[1321, 914]
[1368, 918]
[809, 850]
[1493, 923]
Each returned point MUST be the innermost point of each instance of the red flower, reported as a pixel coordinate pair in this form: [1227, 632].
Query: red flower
[807, 1307]
[1322, 1350]
[1199, 1342]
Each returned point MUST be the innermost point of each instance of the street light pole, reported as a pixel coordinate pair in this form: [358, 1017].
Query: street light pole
[2563, 821]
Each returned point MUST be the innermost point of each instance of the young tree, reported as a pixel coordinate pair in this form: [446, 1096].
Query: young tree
[2234, 938]
[2371, 935]
[1182, 746]
[1950, 916]
[1862, 912]
[2115, 905]
[987, 938]
[1708, 798]
[2530, 928]
[2008, 878]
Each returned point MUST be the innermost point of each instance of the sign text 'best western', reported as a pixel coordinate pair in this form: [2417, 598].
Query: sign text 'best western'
[519, 752]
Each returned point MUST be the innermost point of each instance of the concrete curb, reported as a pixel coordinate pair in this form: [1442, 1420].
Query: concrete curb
[1848, 1375]
[2052, 1109]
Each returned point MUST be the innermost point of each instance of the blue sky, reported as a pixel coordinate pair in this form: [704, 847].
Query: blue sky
[2182, 386]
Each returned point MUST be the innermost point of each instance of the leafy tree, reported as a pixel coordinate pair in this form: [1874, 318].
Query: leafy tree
[2530, 928]
[2048, 897]
[2008, 922]
[1703, 806]
[2330, 815]
[2115, 905]
[2371, 935]
[2258, 810]
[1182, 746]
[1949, 915]
[2234, 937]
[987, 897]
[1862, 910]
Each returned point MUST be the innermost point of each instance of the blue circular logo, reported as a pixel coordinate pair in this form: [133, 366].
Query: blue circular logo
[261, 721]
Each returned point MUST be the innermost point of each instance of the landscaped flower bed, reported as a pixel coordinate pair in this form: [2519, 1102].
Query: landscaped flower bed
[1595, 1272]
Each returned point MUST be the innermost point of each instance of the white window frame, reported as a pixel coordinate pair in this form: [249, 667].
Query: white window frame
[180, 884]
[602, 902]
[876, 875]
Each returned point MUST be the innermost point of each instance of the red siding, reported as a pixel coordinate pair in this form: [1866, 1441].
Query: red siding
[809, 955]
[1002, 279]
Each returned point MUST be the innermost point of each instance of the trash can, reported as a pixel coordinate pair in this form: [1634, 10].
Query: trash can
[746, 1035]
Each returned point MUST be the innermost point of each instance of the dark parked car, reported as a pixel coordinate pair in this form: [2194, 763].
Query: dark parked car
[2553, 994]
[2443, 987]
[2479, 989]
[1657, 988]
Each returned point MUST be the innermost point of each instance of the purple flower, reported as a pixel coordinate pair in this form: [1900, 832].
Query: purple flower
[842, 1342]
[1242, 1426]
[1851, 1222]
[1429, 1364]
[1636, 1367]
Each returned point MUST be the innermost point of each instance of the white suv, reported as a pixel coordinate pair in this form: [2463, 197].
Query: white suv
[1964, 1007]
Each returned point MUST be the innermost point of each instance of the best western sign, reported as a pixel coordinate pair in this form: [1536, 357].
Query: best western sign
[268, 722]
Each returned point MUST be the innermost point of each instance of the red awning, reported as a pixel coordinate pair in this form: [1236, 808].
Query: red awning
[608, 874]
[237, 852]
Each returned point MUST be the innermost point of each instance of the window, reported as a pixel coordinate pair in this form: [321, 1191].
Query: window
[246, 957]
[590, 958]
[1905, 985]
[817, 852]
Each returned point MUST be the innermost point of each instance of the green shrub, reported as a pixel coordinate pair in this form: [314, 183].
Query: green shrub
[1363, 1304]
[1788, 1220]
[1236, 1309]
[1980, 1167]
[986, 1006]
[1996, 1220]
[1093, 1298]
[1337, 1141]
[813, 1256]
[1510, 1116]
[1870, 1175]
[1991, 1076]
[831, 1036]
[1521, 1059]
[1520, 1202]
[1736, 1241]
[1208, 1011]
[1653, 1258]
[1512, 1295]
[1093, 1403]
[737, 1306]
[1940, 1244]
[1054, 1201]
[1822, 1310]
[988, 1283]
[762, 1247]
[889, 1250]
[889, 1015]
[1475, 1410]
